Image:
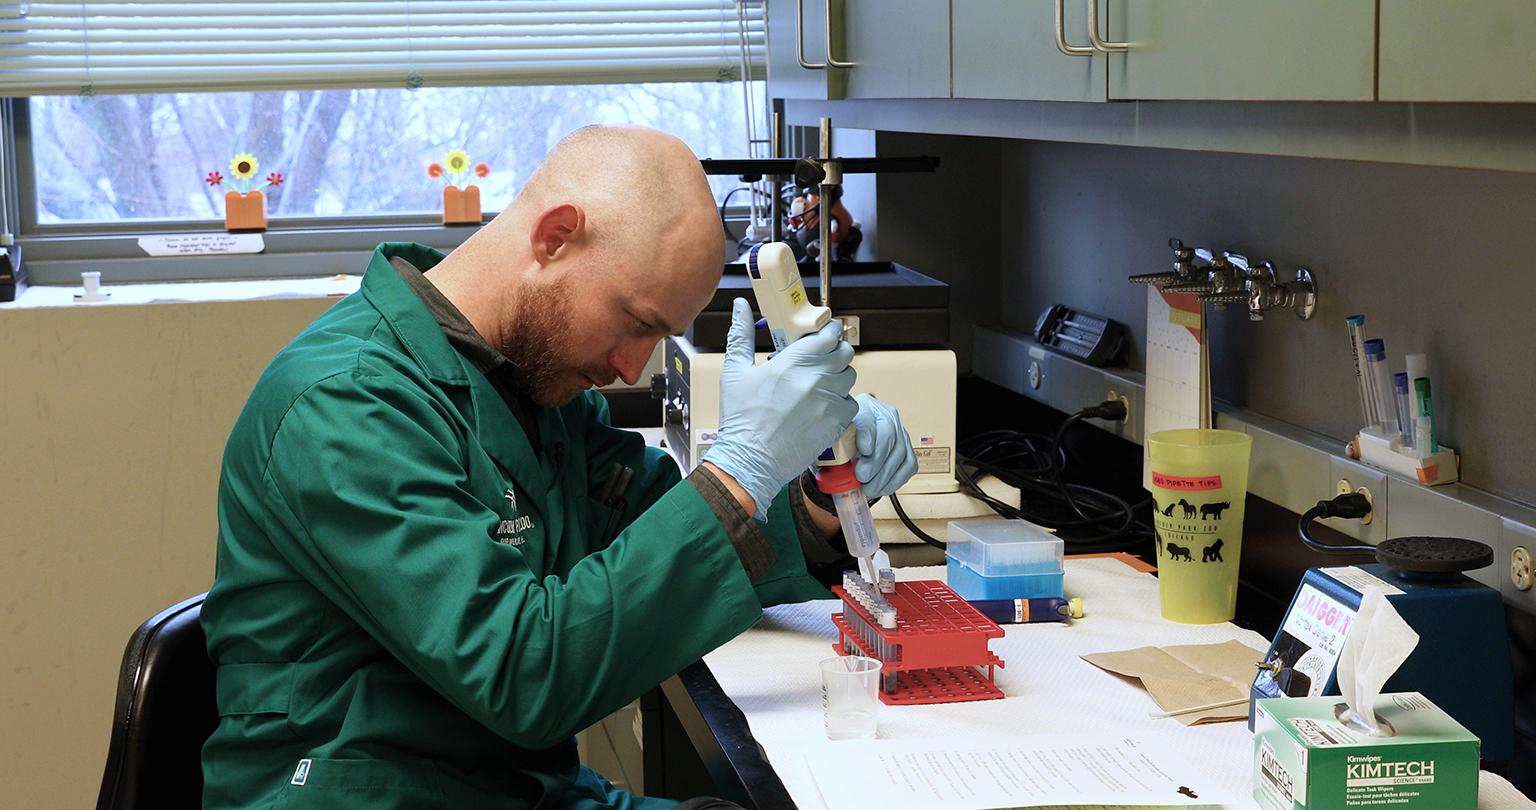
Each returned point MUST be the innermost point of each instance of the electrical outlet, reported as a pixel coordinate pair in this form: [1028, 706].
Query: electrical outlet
[1518, 535]
[1520, 568]
[1373, 528]
[1128, 392]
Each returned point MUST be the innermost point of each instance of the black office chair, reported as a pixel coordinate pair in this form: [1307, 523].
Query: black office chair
[165, 711]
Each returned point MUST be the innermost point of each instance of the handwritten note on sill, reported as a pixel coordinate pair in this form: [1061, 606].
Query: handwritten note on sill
[201, 244]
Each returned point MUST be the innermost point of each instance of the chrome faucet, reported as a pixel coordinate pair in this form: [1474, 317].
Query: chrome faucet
[1231, 278]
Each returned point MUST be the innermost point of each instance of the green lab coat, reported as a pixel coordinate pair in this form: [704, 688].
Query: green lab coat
[418, 608]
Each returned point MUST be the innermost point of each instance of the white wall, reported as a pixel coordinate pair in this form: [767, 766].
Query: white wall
[112, 423]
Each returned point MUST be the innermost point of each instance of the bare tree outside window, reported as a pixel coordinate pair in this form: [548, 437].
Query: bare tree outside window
[343, 153]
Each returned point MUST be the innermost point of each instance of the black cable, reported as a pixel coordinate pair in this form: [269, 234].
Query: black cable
[727, 201]
[912, 527]
[1348, 505]
[805, 220]
[1087, 518]
[1058, 471]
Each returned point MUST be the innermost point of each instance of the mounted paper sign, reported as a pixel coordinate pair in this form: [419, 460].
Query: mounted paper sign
[201, 244]
[1178, 366]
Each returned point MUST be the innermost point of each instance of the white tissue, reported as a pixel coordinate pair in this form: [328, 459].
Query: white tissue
[1378, 643]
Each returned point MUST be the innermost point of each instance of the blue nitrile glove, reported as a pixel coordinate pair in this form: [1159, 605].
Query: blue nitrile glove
[777, 417]
[886, 460]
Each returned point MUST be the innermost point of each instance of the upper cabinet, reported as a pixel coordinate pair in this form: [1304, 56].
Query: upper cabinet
[836, 49]
[1007, 49]
[1432, 50]
[1243, 50]
[1131, 50]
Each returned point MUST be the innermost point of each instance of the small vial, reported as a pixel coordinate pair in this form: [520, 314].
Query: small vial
[1405, 422]
[887, 580]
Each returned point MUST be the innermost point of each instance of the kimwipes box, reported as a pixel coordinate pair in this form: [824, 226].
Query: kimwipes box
[1309, 753]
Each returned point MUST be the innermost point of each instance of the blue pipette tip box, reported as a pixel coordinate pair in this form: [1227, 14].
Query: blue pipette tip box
[1003, 559]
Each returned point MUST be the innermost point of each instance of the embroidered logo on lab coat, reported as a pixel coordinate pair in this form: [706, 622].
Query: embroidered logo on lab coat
[509, 530]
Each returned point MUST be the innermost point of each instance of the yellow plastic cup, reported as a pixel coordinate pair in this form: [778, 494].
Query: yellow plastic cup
[1199, 482]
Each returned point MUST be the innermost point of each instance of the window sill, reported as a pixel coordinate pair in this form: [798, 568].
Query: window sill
[43, 297]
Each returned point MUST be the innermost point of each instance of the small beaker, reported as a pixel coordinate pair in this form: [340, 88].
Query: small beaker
[850, 696]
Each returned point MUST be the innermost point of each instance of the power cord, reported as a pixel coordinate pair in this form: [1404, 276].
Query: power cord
[1351, 506]
[912, 527]
[1113, 410]
[1086, 518]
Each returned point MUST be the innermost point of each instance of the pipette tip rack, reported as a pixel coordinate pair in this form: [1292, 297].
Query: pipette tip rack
[931, 643]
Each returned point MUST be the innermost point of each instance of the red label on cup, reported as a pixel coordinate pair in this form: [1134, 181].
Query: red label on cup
[1199, 483]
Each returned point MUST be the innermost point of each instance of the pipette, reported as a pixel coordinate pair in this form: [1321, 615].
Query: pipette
[790, 315]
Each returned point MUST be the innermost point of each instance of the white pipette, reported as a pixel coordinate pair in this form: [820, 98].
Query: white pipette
[781, 298]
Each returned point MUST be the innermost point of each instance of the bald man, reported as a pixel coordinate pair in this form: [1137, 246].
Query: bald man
[426, 580]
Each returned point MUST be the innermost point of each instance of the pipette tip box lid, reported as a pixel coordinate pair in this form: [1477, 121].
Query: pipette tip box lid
[1003, 559]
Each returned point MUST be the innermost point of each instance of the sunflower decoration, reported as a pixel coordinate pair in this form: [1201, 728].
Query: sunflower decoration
[243, 169]
[456, 169]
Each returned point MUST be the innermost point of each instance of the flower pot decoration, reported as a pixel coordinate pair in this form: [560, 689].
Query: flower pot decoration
[461, 197]
[245, 207]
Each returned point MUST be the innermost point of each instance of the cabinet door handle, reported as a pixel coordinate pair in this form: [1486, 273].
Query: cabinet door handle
[800, 39]
[1093, 33]
[1061, 33]
[827, 7]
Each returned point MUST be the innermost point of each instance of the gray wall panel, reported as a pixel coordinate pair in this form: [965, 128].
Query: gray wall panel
[1439, 260]
[947, 224]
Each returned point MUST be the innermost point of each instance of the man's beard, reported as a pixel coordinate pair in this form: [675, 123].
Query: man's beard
[535, 338]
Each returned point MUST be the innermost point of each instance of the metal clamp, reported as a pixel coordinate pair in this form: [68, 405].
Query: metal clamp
[1061, 32]
[800, 38]
[1093, 33]
[831, 60]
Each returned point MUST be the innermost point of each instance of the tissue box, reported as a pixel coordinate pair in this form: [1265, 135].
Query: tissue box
[1304, 756]
[1003, 559]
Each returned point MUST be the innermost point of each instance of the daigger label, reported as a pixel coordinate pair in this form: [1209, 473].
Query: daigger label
[1370, 770]
[1181, 483]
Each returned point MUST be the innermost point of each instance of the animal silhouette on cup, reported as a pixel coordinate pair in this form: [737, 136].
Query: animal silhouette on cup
[1208, 511]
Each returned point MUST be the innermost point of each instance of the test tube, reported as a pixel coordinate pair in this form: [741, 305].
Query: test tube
[1381, 383]
[1427, 437]
[1417, 365]
[1404, 408]
[1356, 325]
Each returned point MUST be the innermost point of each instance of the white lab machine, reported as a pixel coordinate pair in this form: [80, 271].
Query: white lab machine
[900, 326]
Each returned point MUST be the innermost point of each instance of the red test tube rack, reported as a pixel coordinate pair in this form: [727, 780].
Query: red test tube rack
[936, 652]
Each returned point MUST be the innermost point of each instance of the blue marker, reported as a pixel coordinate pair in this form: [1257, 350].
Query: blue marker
[1021, 611]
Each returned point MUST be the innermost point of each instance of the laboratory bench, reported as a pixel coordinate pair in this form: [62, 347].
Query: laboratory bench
[740, 723]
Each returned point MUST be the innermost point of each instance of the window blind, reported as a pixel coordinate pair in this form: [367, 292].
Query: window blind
[220, 45]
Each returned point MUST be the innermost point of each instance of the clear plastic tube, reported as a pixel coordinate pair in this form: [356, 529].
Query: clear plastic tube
[858, 528]
[1381, 383]
[1356, 324]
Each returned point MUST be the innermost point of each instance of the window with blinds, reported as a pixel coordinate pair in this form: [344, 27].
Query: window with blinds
[134, 113]
[92, 48]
